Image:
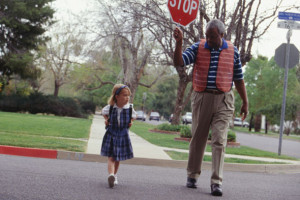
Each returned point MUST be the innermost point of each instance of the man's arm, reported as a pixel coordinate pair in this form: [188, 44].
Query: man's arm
[240, 87]
[178, 61]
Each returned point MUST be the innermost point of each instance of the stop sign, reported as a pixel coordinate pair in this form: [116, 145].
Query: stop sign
[280, 54]
[183, 11]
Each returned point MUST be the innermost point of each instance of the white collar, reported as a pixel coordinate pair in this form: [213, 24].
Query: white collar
[126, 106]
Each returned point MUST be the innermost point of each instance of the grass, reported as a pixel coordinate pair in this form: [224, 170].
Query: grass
[71, 134]
[42, 131]
[184, 156]
[166, 140]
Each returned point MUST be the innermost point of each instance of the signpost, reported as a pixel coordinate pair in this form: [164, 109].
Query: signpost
[183, 11]
[290, 24]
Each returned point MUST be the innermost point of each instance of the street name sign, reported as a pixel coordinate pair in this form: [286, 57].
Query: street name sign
[289, 16]
[289, 25]
[183, 11]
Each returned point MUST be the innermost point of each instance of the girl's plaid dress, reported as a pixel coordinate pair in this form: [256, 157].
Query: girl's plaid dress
[116, 142]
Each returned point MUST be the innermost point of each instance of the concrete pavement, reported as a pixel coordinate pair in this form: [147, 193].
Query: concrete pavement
[141, 147]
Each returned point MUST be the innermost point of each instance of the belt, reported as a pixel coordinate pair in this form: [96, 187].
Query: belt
[213, 91]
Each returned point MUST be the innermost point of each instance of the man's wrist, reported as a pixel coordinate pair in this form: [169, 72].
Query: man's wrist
[179, 42]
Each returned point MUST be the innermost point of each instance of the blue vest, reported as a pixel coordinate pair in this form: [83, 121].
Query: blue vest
[125, 119]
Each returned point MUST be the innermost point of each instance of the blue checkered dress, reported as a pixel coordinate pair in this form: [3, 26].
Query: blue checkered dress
[116, 142]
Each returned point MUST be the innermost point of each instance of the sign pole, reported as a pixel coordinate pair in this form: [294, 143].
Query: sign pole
[287, 58]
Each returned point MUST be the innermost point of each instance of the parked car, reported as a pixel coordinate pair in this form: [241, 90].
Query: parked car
[154, 116]
[187, 118]
[140, 115]
[240, 122]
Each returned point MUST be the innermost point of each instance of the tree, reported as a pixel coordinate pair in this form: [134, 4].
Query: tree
[61, 54]
[22, 24]
[246, 20]
[124, 33]
[264, 82]
[96, 77]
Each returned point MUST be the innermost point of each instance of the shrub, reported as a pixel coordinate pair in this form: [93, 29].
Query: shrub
[13, 103]
[39, 103]
[231, 136]
[169, 127]
[185, 131]
[88, 107]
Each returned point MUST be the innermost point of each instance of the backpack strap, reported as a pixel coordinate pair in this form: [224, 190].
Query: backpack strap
[130, 113]
[109, 114]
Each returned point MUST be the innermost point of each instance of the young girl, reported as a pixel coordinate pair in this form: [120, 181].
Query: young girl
[116, 143]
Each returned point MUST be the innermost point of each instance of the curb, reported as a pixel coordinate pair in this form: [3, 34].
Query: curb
[28, 152]
[79, 156]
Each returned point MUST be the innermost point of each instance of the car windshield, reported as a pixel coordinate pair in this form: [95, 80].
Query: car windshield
[188, 114]
[154, 114]
[139, 112]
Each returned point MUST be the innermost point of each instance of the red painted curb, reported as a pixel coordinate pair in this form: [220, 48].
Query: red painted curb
[29, 152]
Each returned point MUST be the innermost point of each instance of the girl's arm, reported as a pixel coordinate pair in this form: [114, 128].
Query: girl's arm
[106, 119]
[133, 117]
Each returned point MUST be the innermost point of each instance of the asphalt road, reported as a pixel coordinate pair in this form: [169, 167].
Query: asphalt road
[289, 148]
[24, 178]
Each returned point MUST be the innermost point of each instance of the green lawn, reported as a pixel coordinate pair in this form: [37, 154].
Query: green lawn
[42, 131]
[166, 140]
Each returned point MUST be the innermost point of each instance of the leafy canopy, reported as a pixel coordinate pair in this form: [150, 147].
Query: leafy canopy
[22, 25]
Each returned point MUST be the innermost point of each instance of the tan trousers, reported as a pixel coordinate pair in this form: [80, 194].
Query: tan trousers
[209, 111]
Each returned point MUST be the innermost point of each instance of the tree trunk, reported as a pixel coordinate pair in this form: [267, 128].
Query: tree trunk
[56, 88]
[257, 124]
[266, 126]
[179, 101]
[251, 122]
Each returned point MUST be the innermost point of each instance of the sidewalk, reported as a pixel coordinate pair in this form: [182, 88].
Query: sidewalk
[141, 147]
[144, 149]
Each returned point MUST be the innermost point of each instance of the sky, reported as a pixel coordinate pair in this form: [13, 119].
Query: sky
[265, 46]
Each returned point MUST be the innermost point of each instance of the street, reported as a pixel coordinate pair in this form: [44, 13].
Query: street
[25, 178]
[289, 148]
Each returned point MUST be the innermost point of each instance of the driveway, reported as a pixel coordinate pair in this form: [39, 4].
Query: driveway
[289, 148]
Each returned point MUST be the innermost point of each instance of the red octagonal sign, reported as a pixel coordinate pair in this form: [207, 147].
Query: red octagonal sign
[183, 11]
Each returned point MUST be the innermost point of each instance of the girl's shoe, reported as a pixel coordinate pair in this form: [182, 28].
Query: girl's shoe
[111, 180]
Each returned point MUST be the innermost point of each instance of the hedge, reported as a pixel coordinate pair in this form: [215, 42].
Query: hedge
[48, 104]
